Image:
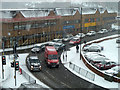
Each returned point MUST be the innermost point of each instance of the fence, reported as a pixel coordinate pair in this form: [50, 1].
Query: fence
[82, 71]
[28, 77]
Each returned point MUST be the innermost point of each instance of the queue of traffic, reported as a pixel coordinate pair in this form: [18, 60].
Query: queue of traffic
[52, 48]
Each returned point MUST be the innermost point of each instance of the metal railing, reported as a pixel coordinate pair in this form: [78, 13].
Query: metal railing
[28, 77]
[82, 71]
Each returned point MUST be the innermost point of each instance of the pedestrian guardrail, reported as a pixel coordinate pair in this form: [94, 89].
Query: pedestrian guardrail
[82, 71]
[28, 77]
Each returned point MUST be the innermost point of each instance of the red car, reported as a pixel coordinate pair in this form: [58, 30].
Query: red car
[104, 65]
[74, 41]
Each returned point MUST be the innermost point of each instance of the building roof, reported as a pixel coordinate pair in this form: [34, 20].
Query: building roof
[65, 11]
[88, 11]
[5, 14]
[35, 13]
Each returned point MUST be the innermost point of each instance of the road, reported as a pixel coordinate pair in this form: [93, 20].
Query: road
[61, 77]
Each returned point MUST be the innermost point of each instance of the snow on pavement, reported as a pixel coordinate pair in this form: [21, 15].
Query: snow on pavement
[110, 51]
[9, 81]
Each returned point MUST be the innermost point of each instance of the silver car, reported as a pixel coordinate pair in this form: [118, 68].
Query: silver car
[93, 48]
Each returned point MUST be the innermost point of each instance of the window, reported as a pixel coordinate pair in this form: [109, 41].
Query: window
[16, 27]
[97, 19]
[86, 20]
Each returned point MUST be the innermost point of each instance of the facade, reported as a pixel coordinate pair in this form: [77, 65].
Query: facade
[40, 25]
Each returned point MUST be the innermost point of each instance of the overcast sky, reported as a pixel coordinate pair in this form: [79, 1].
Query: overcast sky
[25, 4]
[74, 1]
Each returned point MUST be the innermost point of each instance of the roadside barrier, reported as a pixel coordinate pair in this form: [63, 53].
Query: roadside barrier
[28, 77]
[98, 72]
[82, 71]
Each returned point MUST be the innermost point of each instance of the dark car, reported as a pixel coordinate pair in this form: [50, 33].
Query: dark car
[35, 49]
[118, 40]
[104, 65]
[33, 63]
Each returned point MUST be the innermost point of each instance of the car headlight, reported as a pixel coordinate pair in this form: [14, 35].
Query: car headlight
[48, 62]
[31, 67]
[57, 62]
[40, 67]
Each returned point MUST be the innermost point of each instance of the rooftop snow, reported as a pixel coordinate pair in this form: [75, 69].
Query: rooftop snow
[35, 13]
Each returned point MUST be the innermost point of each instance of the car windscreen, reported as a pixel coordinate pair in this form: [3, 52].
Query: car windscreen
[34, 61]
[74, 39]
[37, 47]
[51, 57]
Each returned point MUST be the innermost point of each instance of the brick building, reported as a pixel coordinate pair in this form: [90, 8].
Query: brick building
[40, 25]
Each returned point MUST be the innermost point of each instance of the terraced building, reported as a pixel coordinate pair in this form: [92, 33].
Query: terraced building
[29, 26]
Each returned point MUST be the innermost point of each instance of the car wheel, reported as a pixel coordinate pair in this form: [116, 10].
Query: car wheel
[98, 50]
[57, 66]
[87, 50]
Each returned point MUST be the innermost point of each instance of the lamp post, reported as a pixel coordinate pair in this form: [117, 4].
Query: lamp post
[81, 32]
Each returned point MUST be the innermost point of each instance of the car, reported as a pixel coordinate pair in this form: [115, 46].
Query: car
[42, 46]
[67, 38]
[57, 40]
[102, 31]
[51, 57]
[93, 48]
[95, 58]
[74, 41]
[91, 33]
[59, 46]
[105, 65]
[33, 63]
[35, 49]
[80, 35]
[118, 40]
[113, 71]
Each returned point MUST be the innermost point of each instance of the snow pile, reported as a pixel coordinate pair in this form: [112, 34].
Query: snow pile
[111, 53]
[9, 81]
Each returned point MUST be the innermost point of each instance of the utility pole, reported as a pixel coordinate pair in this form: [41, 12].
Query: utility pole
[14, 51]
[81, 32]
[2, 58]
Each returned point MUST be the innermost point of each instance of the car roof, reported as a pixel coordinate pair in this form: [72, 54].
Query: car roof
[33, 57]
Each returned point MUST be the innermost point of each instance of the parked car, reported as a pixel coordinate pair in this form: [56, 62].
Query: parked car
[57, 40]
[35, 49]
[113, 71]
[74, 41]
[118, 40]
[104, 65]
[95, 58]
[67, 38]
[91, 33]
[102, 31]
[80, 35]
[33, 63]
[93, 48]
